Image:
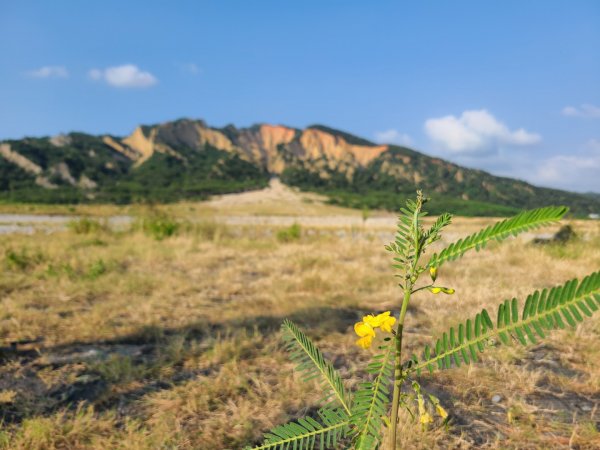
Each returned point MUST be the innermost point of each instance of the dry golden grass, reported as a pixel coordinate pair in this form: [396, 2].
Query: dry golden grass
[124, 341]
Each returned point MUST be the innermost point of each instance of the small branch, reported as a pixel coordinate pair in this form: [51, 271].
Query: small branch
[422, 288]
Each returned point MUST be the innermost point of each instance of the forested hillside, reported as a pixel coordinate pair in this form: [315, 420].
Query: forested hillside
[188, 160]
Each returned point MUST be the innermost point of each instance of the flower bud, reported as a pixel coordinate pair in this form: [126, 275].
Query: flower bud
[433, 273]
[441, 411]
[425, 418]
[448, 291]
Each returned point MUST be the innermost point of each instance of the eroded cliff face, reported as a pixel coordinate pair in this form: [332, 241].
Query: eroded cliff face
[269, 146]
[140, 144]
[260, 145]
[317, 144]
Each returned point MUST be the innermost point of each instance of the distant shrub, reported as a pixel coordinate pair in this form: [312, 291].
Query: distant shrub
[365, 214]
[96, 269]
[159, 226]
[85, 225]
[289, 234]
[21, 260]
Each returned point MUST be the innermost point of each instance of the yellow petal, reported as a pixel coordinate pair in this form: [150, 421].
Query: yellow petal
[376, 321]
[364, 329]
[435, 290]
[441, 411]
[364, 342]
[371, 320]
[387, 324]
[448, 291]
[426, 418]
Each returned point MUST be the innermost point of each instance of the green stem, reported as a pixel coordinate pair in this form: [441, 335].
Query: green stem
[398, 377]
[411, 278]
[422, 288]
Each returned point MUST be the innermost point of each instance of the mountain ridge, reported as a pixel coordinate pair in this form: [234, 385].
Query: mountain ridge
[188, 159]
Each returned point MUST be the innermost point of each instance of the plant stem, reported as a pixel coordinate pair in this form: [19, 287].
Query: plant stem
[398, 378]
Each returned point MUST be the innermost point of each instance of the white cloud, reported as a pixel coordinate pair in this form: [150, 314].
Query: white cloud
[49, 72]
[586, 110]
[125, 76]
[575, 171]
[393, 137]
[476, 132]
[572, 172]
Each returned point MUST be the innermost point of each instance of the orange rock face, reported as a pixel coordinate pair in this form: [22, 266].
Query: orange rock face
[258, 145]
[128, 152]
[318, 143]
[141, 144]
[274, 135]
[214, 138]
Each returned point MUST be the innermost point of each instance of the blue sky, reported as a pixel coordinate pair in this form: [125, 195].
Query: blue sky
[512, 87]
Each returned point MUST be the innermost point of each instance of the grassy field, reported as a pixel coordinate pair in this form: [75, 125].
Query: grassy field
[141, 339]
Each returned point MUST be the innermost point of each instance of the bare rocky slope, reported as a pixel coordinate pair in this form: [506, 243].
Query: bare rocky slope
[187, 159]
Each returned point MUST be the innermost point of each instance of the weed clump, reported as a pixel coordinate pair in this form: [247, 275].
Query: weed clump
[159, 226]
[289, 234]
[85, 225]
[21, 260]
[90, 272]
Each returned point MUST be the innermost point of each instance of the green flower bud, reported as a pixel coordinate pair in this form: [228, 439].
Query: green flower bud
[438, 289]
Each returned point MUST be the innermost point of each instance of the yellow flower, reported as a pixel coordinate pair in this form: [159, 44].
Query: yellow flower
[448, 291]
[372, 320]
[364, 342]
[435, 290]
[433, 273]
[388, 323]
[441, 411]
[426, 418]
[383, 321]
[364, 329]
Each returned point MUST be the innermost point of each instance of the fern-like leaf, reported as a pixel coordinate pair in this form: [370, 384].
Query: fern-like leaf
[433, 234]
[543, 311]
[409, 232]
[371, 400]
[311, 362]
[527, 220]
[308, 433]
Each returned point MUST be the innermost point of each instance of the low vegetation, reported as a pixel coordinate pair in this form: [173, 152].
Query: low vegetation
[289, 234]
[116, 339]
